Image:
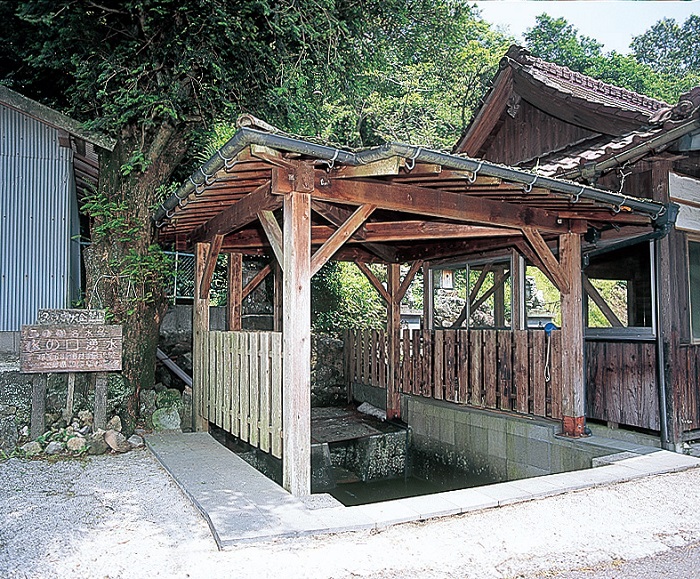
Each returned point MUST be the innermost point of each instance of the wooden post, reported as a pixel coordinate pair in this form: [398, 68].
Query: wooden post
[235, 291]
[518, 313]
[573, 381]
[428, 297]
[200, 329]
[393, 330]
[70, 395]
[278, 292]
[296, 372]
[38, 424]
[100, 415]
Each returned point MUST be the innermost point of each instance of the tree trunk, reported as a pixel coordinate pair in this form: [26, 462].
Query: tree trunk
[124, 272]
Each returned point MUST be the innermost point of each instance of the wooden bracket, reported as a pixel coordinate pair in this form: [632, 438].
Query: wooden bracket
[256, 281]
[298, 177]
[554, 270]
[403, 288]
[273, 232]
[341, 235]
[369, 274]
[210, 266]
[599, 300]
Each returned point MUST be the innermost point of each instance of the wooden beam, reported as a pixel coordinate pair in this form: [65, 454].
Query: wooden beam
[341, 235]
[235, 292]
[369, 274]
[437, 203]
[382, 167]
[534, 259]
[210, 266]
[540, 247]
[572, 370]
[393, 330]
[479, 282]
[200, 331]
[273, 232]
[599, 300]
[256, 281]
[238, 215]
[296, 372]
[415, 266]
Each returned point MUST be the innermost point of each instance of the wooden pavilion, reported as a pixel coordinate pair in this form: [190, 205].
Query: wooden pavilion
[302, 203]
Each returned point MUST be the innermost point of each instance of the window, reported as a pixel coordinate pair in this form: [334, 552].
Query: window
[619, 294]
[694, 282]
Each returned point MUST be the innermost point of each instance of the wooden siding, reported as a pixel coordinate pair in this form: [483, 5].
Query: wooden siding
[498, 369]
[530, 134]
[242, 386]
[621, 383]
[687, 368]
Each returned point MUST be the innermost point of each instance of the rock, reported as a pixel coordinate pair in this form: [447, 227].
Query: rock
[163, 376]
[96, 443]
[32, 448]
[84, 431]
[168, 398]
[8, 433]
[114, 423]
[148, 402]
[135, 441]
[160, 387]
[54, 447]
[24, 433]
[117, 441]
[76, 444]
[186, 411]
[166, 419]
[51, 418]
[85, 417]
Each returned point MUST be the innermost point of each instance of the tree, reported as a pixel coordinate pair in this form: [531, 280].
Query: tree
[670, 48]
[156, 75]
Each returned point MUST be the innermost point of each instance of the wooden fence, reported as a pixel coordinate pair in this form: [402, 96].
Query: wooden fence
[241, 385]
[621, 383]
[499, 369]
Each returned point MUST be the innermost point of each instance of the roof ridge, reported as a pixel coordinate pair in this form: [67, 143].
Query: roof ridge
[525, 58]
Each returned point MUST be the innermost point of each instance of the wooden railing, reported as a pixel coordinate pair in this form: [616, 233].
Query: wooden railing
[241, 385]
[498, 369]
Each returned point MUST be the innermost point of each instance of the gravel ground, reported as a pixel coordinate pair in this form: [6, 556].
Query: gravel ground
[122, 516]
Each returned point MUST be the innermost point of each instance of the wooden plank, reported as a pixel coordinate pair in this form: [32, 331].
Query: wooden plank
[449, 367]
[254, 392]
[408, 278]
[340, 236]
[210, 266]
[538, 385]
[631, 383]
[445, 204]
[416, 362]
[257, 280]
[518, 313]
[462, 363]
[476, 382]
[521, 368]
[406, 377]
[490, 369]
[613, 354]
[296, 411]
[505, 369]
[235, 379]
[428, 385]
[276, 379]
[200, 328]
[273, 232]
[38, 421]
[438, 370]
[244, 432]
[383, 373]
[218, 362]
[241, 213]
[555, 387]
[265, 392]
[234, 299]
[555, 270]
[226, 376]
[374, 358]
[649, 400]
[358, 355]
[599, 300]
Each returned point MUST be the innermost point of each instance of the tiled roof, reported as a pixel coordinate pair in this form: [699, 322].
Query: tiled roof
[579, 85]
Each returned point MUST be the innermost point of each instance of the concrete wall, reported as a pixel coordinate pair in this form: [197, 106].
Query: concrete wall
[503, 446]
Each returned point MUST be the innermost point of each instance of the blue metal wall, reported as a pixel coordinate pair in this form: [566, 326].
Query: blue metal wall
[37, 203]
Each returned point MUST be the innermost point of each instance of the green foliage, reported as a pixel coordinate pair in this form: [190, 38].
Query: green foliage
[670, 48]
[111, 219]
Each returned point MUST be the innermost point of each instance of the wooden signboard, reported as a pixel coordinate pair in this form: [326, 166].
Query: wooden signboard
[69, 317]
[71, 348]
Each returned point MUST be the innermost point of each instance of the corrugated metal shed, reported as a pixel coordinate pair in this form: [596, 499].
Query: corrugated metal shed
[38, 217]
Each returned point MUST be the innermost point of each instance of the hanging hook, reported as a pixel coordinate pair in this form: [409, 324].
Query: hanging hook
[409, 168]
[331, 162]
[659, 213]
[529, 186]
[575, 198]
[475, 173]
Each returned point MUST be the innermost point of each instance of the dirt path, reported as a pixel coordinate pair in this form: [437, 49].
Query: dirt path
[121, 516]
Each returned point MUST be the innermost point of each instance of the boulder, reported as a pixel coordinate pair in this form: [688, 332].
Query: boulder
[96, 443]
[114, 423]
[186, 411]
[168, 398]
[86, 417]
[135, 441]
[148, 402]
[117, 441]
[54, 447]
[76, 444]
[32, 448]
[166, 419]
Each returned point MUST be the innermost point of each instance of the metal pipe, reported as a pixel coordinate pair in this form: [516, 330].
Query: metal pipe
[660, 356]
[173, 367]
